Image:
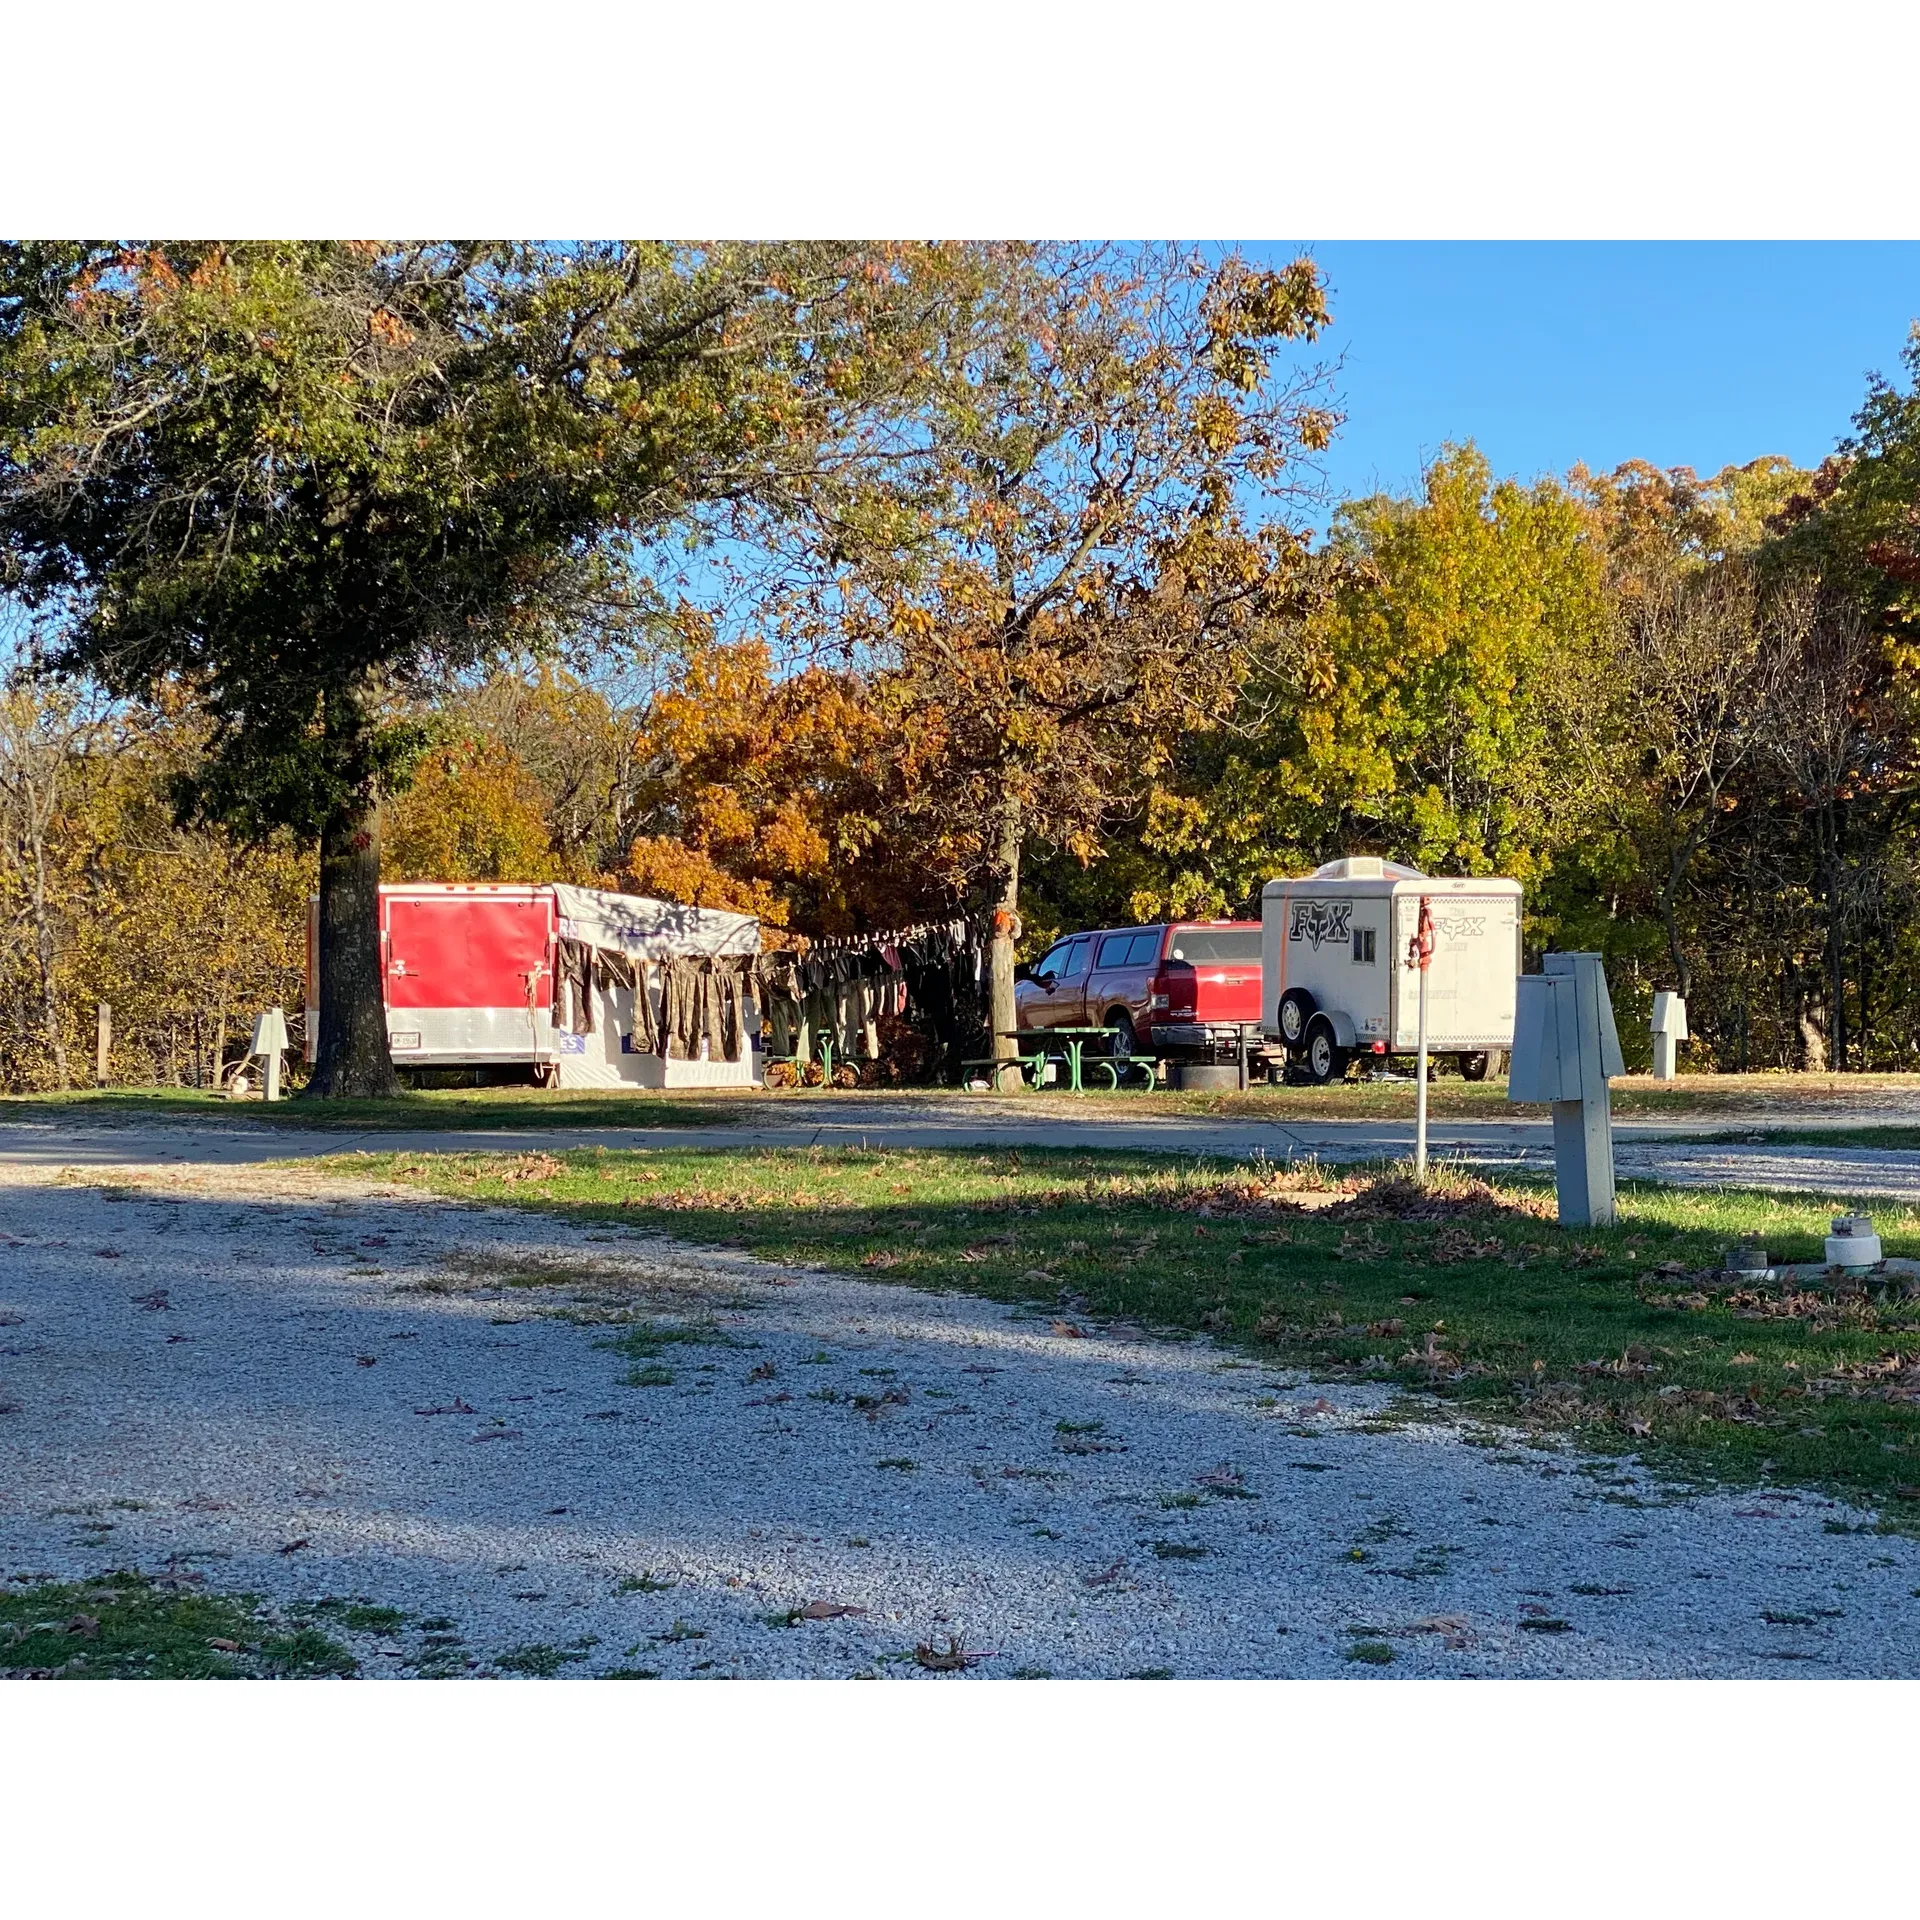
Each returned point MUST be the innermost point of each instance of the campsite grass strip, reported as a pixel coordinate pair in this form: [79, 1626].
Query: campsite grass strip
[125, 1626]
[1627, 1337]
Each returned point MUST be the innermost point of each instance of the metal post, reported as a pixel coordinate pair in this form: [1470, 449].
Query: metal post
[1420, 1092]
[1420, 955]
[1243, 1057]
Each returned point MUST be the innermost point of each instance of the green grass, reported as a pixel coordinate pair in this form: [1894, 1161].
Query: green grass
[1892, 1138]
[494, 1109]
[1626, 1337]
[123, 1626]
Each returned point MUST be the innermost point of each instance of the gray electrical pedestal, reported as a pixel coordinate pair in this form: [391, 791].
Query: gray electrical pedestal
[1565, 1049]
[1669, 1029]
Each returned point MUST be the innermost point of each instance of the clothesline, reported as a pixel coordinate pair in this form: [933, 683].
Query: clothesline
[956, 927]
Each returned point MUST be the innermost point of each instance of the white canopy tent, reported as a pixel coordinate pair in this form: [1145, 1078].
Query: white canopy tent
[648, 932]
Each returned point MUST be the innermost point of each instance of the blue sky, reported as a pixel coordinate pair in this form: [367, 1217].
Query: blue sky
[1683, 353]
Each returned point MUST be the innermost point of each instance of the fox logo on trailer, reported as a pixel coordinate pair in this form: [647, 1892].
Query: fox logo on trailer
[1318, 921]
[1333, 983]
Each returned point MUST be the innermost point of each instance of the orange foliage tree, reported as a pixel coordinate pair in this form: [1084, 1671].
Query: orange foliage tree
[783, 795]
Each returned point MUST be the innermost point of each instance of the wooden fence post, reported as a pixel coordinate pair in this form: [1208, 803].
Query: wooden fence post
[103, 1045]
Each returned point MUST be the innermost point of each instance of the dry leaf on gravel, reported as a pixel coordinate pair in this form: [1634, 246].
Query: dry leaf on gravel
[458, 1406]
[954, 1657]
[224, 1646]
[154, 1302]
[1105, 1577]
[294, 1546]
[828, 1610]
[1066, 1330]
[495, 1433]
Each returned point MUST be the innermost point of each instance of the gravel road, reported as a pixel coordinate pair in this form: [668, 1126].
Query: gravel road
[314, 1390]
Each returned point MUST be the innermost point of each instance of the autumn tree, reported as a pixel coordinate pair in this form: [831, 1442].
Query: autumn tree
[309, 481]
[1419, 702]
[792, 796]
[471, 810]
[106, 896]
[1081, 526]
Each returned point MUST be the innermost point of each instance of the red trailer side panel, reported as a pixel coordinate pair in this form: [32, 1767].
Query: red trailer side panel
[468, 950]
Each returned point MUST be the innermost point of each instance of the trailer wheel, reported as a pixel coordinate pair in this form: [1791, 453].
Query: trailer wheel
[1473, 1066]
[1326, 1058]
[1297, 1009]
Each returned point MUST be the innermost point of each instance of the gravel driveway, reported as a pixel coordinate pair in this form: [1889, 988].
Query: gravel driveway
[317, 1391]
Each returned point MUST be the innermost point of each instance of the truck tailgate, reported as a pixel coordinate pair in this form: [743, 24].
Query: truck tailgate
[1214, 991]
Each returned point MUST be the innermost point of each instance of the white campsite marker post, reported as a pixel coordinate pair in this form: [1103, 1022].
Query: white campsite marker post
[1420, 956]
[269, 1043]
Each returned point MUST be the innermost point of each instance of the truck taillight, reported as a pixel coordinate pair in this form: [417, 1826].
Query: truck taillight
[1159, 1003]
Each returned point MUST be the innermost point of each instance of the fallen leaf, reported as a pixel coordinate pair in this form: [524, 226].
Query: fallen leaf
[1906, 1493]
[106, 1253]
[86, 1625]
[951, 1658]
[458, 1406]
[365, 1360]
[224, 1646]
[1105, 1577]
[770, 1400]
[827, 1610]
[293, 1546]
[495, 1433]
[1066, 1330]
[154, 1302]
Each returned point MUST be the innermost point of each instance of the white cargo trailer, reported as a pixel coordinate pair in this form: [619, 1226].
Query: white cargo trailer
[1335, 982]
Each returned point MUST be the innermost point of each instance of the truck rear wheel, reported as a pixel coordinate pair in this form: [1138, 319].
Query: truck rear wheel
[1326, 1058]
[1473, 1066]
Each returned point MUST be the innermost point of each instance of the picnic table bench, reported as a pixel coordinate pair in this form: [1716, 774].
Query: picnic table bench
[1071, 1051]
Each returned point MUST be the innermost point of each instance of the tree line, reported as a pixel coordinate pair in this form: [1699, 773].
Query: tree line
[852, 585]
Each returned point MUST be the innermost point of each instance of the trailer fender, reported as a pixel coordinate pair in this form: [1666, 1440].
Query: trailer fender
[1342, 1025]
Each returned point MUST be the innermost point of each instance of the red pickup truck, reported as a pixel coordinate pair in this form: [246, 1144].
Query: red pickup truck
[1185, 989]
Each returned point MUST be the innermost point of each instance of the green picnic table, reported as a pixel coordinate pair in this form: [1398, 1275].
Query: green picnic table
[1075, 1041]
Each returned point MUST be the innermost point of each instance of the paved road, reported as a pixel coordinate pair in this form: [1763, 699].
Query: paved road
[1665, 1151]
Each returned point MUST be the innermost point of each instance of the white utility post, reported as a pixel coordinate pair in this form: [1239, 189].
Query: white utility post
[1420, 956]
[270, 1042]
[1669, 1029]
[1565, 1049]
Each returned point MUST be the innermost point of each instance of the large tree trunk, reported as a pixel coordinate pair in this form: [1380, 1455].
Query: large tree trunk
[1006, 930]
[46, 952]
[353, 1058]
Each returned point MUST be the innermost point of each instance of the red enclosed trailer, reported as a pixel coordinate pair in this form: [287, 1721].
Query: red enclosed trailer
[468, 978]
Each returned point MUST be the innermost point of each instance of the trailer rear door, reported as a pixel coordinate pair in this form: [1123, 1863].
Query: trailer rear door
[467, 950]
